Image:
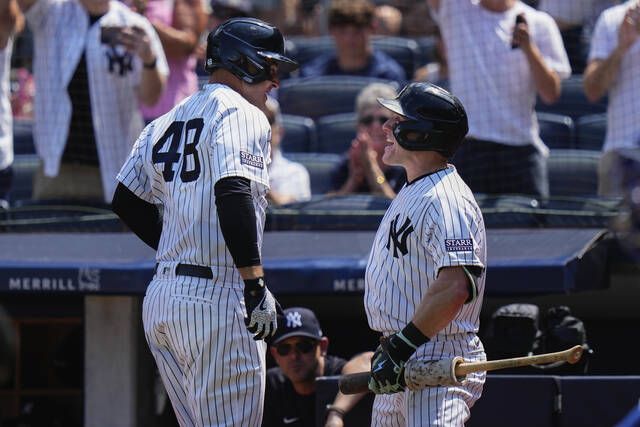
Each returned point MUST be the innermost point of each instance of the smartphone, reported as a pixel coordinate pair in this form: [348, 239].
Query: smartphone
[109, 34]
[519, 20]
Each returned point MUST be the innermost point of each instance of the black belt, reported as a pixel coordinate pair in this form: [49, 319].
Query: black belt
[193, 270]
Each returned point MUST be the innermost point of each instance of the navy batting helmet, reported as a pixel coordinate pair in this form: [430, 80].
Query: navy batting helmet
[247, 47]
[436, 120]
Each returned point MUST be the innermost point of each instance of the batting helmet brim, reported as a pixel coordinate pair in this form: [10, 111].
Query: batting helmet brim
[284, 64]
[393, 105]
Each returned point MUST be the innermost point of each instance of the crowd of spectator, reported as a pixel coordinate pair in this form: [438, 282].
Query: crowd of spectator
[502, 58]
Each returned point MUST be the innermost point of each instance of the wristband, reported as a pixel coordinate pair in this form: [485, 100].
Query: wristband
[413, 336]
[333, 408]
[151, 65]
[254, 284]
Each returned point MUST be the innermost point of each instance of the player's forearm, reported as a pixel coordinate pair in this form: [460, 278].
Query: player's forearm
[151, 86]
[601, 74]
[442, 302]
[11, 21]
[345, 402]
[547, 81]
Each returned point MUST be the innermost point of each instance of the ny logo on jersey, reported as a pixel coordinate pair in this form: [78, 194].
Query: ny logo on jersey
[124, 62]
[398, 236]
[294, 320]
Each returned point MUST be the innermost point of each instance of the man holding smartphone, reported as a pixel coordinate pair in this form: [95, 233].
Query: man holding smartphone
[95, 61]
[498, 85]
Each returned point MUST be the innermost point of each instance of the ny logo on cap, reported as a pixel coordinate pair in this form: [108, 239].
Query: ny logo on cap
[294, 320]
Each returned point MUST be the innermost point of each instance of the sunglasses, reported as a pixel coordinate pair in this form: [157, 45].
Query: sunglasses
[303, 347]
[367, 120]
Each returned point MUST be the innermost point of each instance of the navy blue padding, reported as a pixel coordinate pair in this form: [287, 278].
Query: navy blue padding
[405, 51]
[320, 167]
[516, 400]
[426, 49]
[23, 136]
[299, 134]
[508, 211]
[321, 96]
[573, 172]
[326, 389]
[572, 101]
[591, 131]
[596, 401]
[335, 132]
[556, 130]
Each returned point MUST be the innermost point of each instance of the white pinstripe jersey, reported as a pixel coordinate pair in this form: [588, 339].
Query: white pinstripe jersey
[6, 117]
[433, 222]
[180, 156]
[61, 33]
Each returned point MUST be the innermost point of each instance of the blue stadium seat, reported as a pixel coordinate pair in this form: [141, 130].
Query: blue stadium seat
[556, 130]
[516, 400]
[595, 401]
[299, 134]
[23, 136]
[591, 131]
[404, 50]
[326, 389]
[508, 211]
[573, 102]
[320, 167]
[322, 96]
[573, 172]
[426, 49]
[24, 166]
[335, 132]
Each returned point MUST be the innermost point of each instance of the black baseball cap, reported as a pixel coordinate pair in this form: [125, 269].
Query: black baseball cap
[297, 322]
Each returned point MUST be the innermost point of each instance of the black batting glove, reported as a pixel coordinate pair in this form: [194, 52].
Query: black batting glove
[387, 364]
[262, 309]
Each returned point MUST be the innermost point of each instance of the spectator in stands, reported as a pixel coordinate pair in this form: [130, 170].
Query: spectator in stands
[11, 23]
[303, 17]
[351, 26]
[387, 20]
[575, 19]
[437, 71]
[94, 62]
[179, 24]
[497, 66]
[300, 350]
[614, 68]
[362, 170]
[289, 181]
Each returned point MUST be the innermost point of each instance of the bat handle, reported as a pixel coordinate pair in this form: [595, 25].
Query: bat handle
[354, 383]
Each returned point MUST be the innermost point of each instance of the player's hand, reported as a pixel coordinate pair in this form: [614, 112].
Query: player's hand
[387, 363]
[262, 309]
[387, 372]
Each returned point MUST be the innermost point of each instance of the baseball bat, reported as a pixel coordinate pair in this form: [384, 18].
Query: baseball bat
[358, 383]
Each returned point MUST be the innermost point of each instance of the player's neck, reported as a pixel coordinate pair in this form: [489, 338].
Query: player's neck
[423, 163]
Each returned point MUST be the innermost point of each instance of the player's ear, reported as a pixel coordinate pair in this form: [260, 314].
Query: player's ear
[324, 345]
[273, 351]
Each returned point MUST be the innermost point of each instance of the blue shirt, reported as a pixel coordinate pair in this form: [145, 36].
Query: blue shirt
[380, 65]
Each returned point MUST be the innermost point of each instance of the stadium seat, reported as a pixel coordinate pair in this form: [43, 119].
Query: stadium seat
[573, 172]
[320, 167]
[595, 401]
[404, 50]
[556, 130]
[508, 211]
[24, 166]
[426, 50]
[23, 136]
[322, 96]
[326, 389]
[572, 101]
[299, 134]
[335, 132]
[516, 400]
[591, 131]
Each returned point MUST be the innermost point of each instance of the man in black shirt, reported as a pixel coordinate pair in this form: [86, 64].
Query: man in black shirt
[300, 351]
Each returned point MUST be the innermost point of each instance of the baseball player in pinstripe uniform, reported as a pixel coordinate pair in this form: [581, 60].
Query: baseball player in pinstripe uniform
[204, 163]
[425, 276]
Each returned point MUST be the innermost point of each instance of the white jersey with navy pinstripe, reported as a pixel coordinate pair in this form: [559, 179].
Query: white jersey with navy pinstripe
[179, 157]
[433, 222]
[213, 370]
